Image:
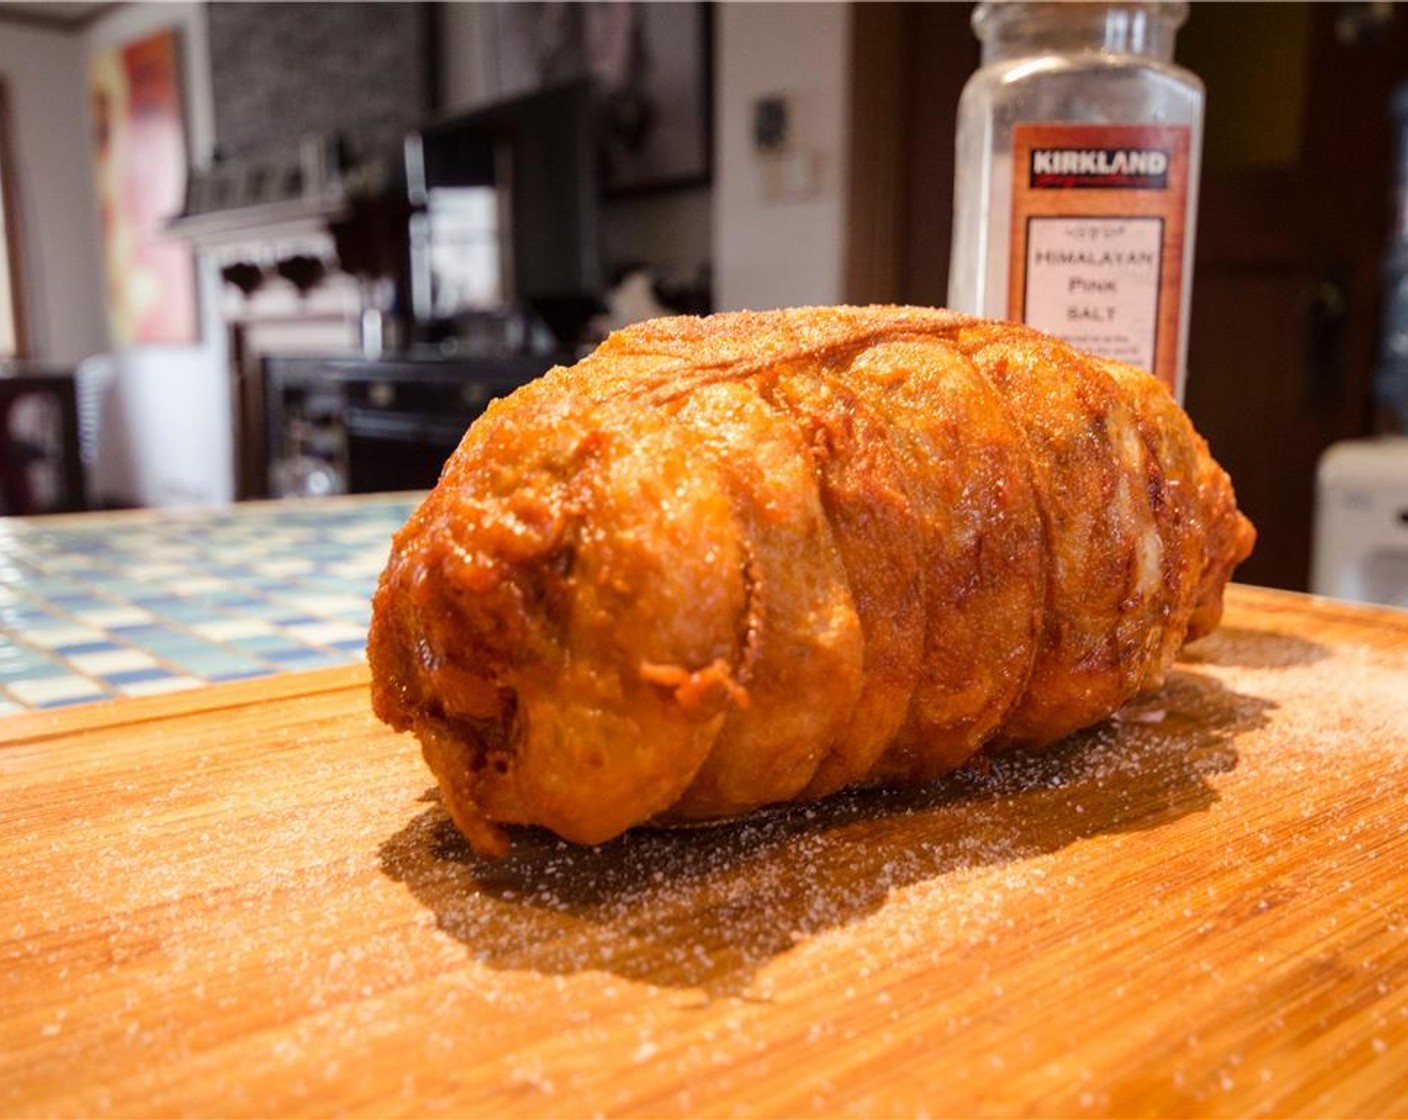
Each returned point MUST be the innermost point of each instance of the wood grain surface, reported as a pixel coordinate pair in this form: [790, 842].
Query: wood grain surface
[248, 901]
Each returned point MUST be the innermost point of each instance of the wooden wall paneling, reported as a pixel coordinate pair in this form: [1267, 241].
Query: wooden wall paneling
[909, 65]
[1287, 282]
[10, 216]
[875, 231]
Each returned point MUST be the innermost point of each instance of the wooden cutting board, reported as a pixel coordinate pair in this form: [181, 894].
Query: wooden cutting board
[246, 900]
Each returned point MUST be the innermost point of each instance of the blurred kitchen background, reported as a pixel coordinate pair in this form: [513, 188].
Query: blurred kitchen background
[257, 250]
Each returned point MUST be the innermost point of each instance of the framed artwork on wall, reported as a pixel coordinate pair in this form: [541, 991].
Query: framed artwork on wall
[141, 163]
[652, 67]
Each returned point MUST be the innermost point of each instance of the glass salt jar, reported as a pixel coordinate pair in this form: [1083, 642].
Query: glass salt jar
[1075, 197]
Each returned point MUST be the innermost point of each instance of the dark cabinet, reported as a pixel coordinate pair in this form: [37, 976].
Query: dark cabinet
[359, 425]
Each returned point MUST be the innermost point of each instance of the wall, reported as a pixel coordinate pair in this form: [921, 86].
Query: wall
[43, 70]
[671, 230]
[776, 234]
[469, 73]
[168, 425]
[166, 421]
[779, 227]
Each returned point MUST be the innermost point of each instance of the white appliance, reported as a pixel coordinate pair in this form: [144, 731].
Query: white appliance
[1360, 550]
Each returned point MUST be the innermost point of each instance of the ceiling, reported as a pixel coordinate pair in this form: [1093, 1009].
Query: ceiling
[56, 14]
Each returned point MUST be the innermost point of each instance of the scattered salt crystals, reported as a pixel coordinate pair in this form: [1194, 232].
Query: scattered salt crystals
[533, 1076]
[1140, 715]
[896, 874]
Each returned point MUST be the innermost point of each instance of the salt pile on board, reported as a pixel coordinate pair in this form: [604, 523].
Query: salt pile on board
[709, 906]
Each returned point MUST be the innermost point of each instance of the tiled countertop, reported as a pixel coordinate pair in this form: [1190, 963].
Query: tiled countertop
[99, 605]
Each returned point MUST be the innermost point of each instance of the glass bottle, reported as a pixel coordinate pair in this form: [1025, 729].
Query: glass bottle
[1075, 196]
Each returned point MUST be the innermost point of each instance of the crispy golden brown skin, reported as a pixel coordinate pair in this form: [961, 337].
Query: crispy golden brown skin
[750, 558]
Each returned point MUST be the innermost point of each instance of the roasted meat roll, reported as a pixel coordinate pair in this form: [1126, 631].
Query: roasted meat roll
[733, 561]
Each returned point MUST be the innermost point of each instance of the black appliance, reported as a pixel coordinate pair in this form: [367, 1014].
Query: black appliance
[358, 425]
[537, 153]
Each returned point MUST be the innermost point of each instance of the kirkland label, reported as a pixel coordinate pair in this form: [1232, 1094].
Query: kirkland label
[1098, 214]
[1141, 169]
